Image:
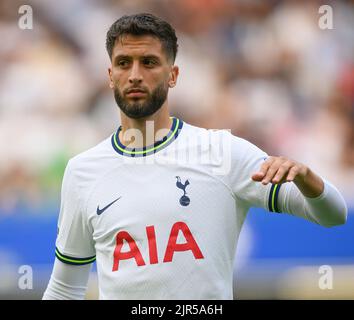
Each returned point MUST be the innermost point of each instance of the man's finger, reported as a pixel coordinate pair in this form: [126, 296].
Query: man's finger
[271, 171]
[258, 176]
[282, 172]
[293, 172]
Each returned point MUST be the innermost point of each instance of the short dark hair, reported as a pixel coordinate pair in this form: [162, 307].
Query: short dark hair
[143, 24]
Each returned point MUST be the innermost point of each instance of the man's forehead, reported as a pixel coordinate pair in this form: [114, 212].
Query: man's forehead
[144, 42]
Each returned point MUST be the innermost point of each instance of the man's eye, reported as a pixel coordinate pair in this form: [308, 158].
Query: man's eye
[149, 62]
[122, 63]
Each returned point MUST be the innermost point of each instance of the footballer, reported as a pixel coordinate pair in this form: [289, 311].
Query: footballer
[159, 227]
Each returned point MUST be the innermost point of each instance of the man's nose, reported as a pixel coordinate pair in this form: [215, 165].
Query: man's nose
[135, 76]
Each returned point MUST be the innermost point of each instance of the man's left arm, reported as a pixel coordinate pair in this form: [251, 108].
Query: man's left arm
[309, 196]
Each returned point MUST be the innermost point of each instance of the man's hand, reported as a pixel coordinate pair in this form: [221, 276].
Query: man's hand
[279, 170]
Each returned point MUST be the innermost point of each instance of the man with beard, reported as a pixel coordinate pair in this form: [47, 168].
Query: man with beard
[167, 228]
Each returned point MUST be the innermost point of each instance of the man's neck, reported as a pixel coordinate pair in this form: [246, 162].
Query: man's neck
[138, 133]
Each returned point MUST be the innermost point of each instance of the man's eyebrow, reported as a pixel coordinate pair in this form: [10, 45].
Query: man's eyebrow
[151, 56]
[144, 56]
[122, 56]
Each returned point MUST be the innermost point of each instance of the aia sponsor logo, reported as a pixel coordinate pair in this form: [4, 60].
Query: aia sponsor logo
[190, 244]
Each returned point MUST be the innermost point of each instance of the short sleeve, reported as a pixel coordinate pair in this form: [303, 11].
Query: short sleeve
[74, 244]
[247, 159]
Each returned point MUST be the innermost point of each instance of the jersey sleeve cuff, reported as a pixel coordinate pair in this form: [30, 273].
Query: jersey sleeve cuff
[273, 198]
[73, 260]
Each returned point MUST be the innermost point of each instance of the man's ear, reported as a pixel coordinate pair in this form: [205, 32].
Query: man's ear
[110, 78]
[173, 76]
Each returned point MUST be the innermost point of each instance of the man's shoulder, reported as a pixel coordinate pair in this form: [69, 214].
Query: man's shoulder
[215, 135]
[193, 131]
[92, 157]
[222, 142]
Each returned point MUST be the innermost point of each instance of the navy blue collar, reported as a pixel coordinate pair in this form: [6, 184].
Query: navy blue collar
[176, 127]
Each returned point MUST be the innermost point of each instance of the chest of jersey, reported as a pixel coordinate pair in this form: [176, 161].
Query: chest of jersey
[146, 214]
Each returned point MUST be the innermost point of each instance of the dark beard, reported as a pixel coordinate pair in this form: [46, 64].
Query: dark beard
[137, 110]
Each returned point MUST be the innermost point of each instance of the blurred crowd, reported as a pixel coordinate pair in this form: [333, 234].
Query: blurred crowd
[264, 69]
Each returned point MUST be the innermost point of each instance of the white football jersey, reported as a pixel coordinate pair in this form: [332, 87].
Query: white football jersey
[163, 221]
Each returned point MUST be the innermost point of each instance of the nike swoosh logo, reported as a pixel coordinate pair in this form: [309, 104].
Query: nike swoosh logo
[100, 211]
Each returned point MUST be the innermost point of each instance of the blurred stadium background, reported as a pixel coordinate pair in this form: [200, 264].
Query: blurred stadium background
[263, 69]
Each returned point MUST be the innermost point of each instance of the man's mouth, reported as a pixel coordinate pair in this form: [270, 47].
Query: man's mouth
[136, 92]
